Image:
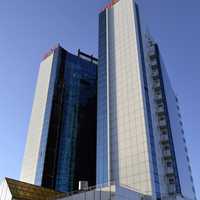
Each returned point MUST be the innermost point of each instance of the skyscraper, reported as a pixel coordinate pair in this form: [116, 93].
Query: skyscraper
[61, 142]
[140, 138]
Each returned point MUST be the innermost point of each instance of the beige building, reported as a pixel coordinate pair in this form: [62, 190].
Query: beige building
[140, 137]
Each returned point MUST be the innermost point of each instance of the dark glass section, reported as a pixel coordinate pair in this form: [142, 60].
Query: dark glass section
[50, 163]
[71, 145]
[151, 134]
[85, 168]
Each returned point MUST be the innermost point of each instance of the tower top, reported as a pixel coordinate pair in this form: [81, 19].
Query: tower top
[50, 51]
[110, 5]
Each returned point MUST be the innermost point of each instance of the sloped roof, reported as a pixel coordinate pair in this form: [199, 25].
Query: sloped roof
[24, 191]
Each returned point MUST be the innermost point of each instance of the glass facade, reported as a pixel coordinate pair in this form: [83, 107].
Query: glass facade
[124, 130]
[102, 115]
[68, 143]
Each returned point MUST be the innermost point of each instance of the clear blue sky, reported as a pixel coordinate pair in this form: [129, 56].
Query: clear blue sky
[29, 28]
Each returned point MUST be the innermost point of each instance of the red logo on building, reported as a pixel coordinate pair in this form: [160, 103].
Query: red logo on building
[110, 5]
[50, 51]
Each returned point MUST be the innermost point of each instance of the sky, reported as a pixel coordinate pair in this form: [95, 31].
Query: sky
[29, 28]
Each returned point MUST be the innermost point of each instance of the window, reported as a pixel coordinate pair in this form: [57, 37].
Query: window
[171, 181]
[169, 164]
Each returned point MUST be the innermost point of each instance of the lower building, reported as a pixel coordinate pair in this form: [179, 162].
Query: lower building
[108, 192]
[61, 142]
[15, 190]
[11, 189]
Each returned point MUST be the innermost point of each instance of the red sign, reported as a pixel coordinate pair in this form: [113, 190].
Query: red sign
[110, 5]
[50, 51]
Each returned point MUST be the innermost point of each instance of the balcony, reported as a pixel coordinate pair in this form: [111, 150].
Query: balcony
[157, 85]
[158, 98]
[160, 110]
[152, 52]
[164, 139]
[169, 171]
[167, 154]
[172, 189]
[162, 124]
[154, 64]
[155, 74]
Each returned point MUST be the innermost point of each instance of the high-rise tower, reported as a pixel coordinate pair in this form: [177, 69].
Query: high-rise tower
[61, 143]
[140, 140]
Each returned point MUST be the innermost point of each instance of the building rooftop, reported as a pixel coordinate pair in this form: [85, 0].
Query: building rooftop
[13, 189]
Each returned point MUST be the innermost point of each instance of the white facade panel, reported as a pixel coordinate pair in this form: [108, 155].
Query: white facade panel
[29, 166]
[129, 157]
